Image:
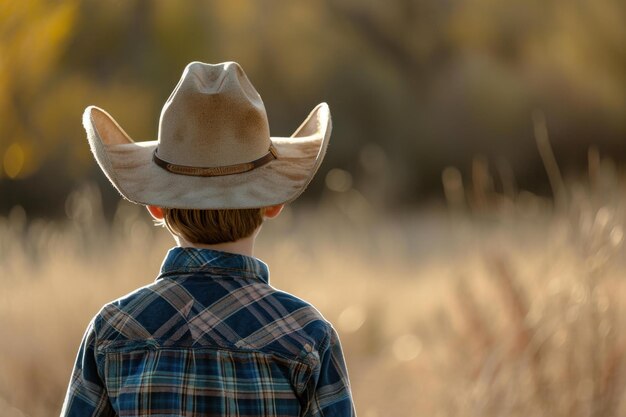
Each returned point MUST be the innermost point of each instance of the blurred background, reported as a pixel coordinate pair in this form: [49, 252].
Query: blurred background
[464, 233]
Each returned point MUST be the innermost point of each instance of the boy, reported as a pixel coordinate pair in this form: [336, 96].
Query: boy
[210, 337]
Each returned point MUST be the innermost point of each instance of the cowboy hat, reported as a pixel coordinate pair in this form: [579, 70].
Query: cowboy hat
[214, 149]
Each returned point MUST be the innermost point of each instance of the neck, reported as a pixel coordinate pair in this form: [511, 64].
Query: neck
[243, 246]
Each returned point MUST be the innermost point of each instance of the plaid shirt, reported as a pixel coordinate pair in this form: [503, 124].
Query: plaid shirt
[210, 337]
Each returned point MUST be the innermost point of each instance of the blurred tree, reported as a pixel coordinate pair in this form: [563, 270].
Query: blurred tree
[414, 85]
[33, 34]
[475, 69]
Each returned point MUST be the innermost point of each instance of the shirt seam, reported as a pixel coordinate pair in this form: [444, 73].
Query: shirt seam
[154, 347]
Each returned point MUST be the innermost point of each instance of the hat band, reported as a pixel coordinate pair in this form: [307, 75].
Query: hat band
[214, 171]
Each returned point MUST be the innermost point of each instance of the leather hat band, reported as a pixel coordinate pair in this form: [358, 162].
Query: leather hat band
[214, 171]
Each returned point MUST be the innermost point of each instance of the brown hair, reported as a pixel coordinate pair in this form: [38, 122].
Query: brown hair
[212, 226]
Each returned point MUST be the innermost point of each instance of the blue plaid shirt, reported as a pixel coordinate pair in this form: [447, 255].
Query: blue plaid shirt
[210, 337]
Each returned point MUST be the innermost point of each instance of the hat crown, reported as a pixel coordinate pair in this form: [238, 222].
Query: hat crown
[214, 117]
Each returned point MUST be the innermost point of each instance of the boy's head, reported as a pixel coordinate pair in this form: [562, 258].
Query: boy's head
[214, 157]
[210, 227]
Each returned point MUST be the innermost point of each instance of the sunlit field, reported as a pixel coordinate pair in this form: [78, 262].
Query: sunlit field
[496, 304]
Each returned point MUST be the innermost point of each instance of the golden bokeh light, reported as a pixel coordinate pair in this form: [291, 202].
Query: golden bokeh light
[352, 318]
[407, 347]
[338, 180]
[13, 161]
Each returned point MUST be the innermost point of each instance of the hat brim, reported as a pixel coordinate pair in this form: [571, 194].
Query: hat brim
[131, 170]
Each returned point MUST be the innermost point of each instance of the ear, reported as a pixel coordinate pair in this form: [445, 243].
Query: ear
[155, 212]
[272, 211]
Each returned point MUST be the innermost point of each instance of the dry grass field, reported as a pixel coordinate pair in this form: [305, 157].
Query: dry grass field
[499, 305]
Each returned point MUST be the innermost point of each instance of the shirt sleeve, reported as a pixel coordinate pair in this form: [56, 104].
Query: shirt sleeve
[86, 394]
[329, 388]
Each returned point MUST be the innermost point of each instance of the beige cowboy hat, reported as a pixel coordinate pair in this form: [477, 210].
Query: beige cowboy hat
[214, 149]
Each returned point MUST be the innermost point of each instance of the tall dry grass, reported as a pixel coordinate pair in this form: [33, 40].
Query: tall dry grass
[500, 304]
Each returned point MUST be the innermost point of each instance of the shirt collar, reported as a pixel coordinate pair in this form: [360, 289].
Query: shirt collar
[187, 260]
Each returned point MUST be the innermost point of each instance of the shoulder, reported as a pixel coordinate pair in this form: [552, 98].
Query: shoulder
[304, 319]
[127, 301]
[294, 303]
[123, 316]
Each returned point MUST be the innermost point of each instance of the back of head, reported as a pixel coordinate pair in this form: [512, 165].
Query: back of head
[211, 227]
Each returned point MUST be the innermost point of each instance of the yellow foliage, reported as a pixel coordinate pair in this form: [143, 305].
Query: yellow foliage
[33, 34]
[32, 38]
[13, 160]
